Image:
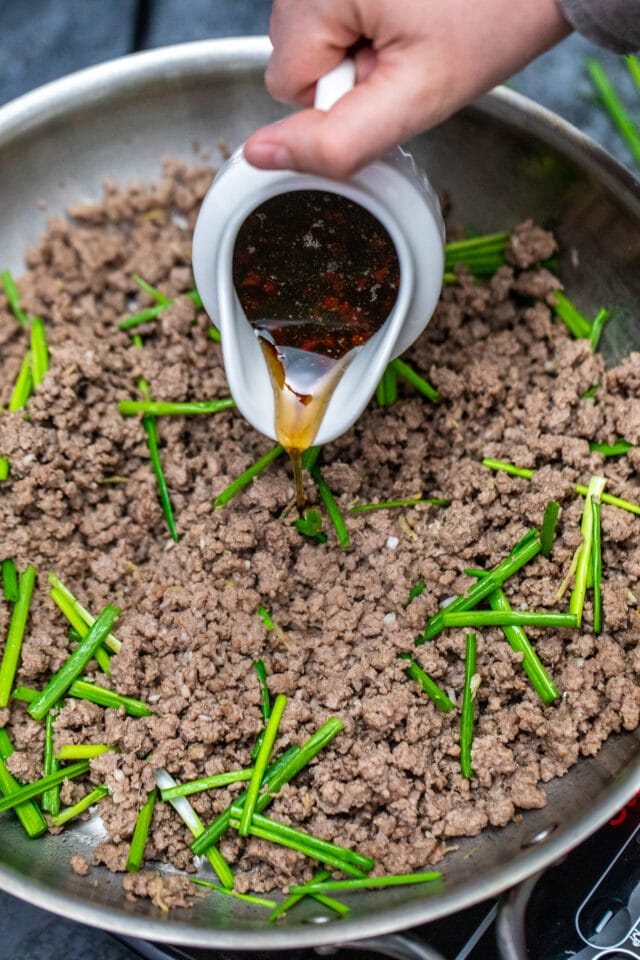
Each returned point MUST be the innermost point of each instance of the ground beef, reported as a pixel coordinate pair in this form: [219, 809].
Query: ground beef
[81, 500]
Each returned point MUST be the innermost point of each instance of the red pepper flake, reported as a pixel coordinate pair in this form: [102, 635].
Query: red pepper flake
[381, 274]
[252, 280]
[331, 303]
[270, 286]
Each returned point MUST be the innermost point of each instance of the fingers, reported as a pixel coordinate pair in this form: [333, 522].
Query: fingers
[379, 112]
[308, 42]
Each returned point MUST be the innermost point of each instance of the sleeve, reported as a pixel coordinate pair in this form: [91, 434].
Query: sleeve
[614, 24]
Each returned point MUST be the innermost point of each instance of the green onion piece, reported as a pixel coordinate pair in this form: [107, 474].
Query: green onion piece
[508, 468]
[614, 501]
[39, 352]
[576, 323]
[83, 690]
[388, 504]
[112, 642]
[483, 254]
[141, 832]
[206, 783]
[262, 760]
[24, 384]
[579, 487]
[10, 580]
[280, 772]
[284, 769]
[415, 672]
[519, 641]
[30, 790]
[611, 450]
[421, 385]
[396, 880]
[137, 340]
[15, 635]
[614, 107]
[153, 292]
[265, 616]
[247, 897]
[79, 628]
[294, 839]
[415, 592]
[310, 525]
[82, 751]
[13, 297]
[50, 798]
[103, 661]
[151, 430]
[6, 747]
[214, 334]
[218, 827]
[28, 813]
[159, 408]
[291, 901]
[529, 536]
[468, 704]
[5, 469]
[245, 478]
[73, 667]
[634, 68]
[387, 389]
[264, 689]
[596, 565]
[149, 313]
[591, 392]
[500, 618]
[475, 572]
[310, 457]
[194, 824]
[584, 564]
[597, 326]
[331, 506]
[495, 578]
[548, 529]
[294, 833]
[97, 794]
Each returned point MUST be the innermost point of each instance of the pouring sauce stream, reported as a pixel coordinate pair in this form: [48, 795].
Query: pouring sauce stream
[317, 276]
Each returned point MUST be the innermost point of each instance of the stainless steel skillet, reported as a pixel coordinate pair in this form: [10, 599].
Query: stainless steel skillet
[501, 160]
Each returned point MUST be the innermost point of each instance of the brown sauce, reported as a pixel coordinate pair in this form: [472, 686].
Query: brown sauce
[316, 275]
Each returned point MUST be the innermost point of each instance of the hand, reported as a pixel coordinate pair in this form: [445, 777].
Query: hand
[427, 58]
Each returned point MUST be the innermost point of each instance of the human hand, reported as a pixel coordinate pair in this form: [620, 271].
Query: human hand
[427, 58]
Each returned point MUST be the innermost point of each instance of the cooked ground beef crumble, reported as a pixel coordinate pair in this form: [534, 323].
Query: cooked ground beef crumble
[81, 500]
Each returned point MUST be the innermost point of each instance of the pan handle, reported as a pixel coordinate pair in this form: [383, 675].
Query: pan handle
[400, 946]
[510, 928]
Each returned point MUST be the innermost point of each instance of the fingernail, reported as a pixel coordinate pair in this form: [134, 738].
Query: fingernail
[273, 156]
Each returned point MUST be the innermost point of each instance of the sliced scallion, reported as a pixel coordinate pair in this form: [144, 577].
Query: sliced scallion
[160, 408]
[141, 832]
[262, 760]
[76, 663]
[94, 796]
[415, 672]
[194, 824]
[15, 635]
[10, 580]
[250, 474]
[468, 708]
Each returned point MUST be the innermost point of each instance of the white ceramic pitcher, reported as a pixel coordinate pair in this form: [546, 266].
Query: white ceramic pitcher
[396, 192]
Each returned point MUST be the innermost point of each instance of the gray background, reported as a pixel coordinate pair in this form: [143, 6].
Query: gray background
[41, 40]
